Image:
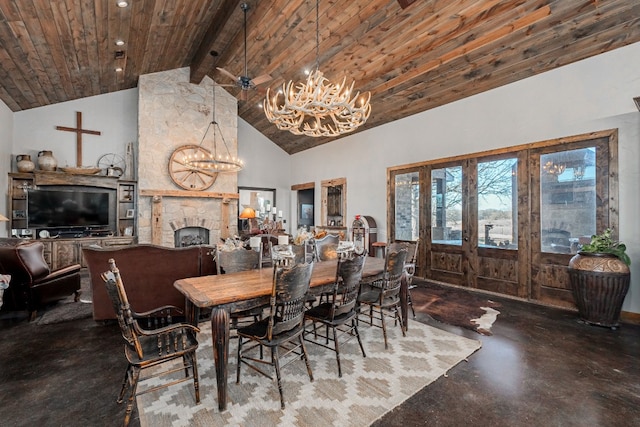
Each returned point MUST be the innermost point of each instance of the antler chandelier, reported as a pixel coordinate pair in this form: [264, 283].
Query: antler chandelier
[212, 160]
[317, 107]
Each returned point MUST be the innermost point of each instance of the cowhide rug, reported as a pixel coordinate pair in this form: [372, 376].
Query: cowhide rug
[455, 306]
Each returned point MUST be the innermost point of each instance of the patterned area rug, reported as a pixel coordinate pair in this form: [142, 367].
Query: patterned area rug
[369, 386]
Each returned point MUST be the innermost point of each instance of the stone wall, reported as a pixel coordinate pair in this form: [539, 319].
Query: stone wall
[173, 112]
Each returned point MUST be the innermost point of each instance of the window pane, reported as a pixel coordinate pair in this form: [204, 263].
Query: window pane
[568, 199]
[497, 204]
[407, 201]
[446, 205]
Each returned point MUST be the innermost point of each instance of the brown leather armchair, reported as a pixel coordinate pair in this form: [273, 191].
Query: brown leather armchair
[33, 284]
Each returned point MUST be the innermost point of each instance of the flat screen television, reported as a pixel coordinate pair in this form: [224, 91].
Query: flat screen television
[59, 208]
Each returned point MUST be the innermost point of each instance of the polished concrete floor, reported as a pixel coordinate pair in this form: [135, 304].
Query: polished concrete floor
[541, 367]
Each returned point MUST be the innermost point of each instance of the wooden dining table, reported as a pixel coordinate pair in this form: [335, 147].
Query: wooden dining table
[235, 292]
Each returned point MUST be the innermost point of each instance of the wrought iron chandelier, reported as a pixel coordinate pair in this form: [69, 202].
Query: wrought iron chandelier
[213, 161]
[317, 107]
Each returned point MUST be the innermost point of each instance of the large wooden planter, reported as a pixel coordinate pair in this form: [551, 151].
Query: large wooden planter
[599, 283]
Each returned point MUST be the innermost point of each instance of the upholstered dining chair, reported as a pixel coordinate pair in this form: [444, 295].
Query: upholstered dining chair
[383, 295]
[339, 312]
[283, 328]
[146, 348]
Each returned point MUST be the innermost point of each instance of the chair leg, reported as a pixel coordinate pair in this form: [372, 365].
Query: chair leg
[185, 364]
[337, 347]
[135, 375]
[384, 329]
[399, 317]
[196, 381]
[354, 325]
[239, 359]
[306, 358]
[125, 382]
[276, 364]
[410, 302]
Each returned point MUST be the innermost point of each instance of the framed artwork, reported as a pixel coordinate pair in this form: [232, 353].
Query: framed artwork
[130, 213]
[306, 211]
[262, 200]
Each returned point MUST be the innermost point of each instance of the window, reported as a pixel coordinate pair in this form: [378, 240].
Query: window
[497, 198]
[567, 199]
[407, 206]
[446, 205]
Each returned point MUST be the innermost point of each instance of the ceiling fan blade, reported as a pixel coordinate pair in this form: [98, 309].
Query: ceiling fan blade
[226, 73]
[219, 85]
[262, 79]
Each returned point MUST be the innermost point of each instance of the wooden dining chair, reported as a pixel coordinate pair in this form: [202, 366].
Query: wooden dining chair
[410, 271]
[339, 313]
[383, 295]
[234, 261]
[146, 347]
[282, 329]
[326, 247]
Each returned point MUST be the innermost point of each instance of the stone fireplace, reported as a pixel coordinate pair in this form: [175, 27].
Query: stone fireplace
[191, 231]
[172, 112]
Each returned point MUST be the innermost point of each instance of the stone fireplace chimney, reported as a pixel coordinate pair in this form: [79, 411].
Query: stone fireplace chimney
[172, 113]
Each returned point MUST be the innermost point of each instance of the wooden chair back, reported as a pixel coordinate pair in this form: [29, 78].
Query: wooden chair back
[237, 260]
[124, 313]
[347, 286]
[393, 271]
[288, 297]
[326, 247]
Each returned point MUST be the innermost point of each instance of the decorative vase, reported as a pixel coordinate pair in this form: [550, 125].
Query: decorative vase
[599, 283]
[46, 161]
[24, 163]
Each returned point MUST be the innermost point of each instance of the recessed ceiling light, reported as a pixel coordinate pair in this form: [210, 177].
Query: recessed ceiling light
[119, 42]
[122, 4]
[118, 69]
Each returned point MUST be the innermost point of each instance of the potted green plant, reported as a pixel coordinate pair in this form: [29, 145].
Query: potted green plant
[599, 275]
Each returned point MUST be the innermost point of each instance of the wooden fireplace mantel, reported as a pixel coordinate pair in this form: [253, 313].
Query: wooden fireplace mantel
[184, 193]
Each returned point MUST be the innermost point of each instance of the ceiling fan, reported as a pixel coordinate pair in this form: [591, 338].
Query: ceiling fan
[244, 82]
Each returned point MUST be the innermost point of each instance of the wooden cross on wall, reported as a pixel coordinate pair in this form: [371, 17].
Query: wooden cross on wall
[79, 131]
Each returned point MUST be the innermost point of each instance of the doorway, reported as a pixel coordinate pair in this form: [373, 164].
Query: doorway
[306, 208]
[508, 221]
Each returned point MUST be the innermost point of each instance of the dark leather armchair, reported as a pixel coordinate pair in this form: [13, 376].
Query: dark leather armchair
[33, 284]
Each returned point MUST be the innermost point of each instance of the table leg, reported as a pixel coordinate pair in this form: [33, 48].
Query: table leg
[220, 336]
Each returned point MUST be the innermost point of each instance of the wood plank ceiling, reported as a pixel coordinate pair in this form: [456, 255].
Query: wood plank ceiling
[411, 55]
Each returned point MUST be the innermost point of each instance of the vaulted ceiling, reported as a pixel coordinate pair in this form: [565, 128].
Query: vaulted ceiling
[411, 55]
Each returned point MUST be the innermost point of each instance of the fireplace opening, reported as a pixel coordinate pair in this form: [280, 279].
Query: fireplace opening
[191, 236]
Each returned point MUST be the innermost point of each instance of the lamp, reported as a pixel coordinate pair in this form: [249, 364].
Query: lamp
[317, 107]
[247, 213]
[214, 162]
[3, 218]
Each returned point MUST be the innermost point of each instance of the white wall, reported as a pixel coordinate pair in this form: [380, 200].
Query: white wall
[591, 95]
[266, 166]
[6, 136]
[115, 115]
